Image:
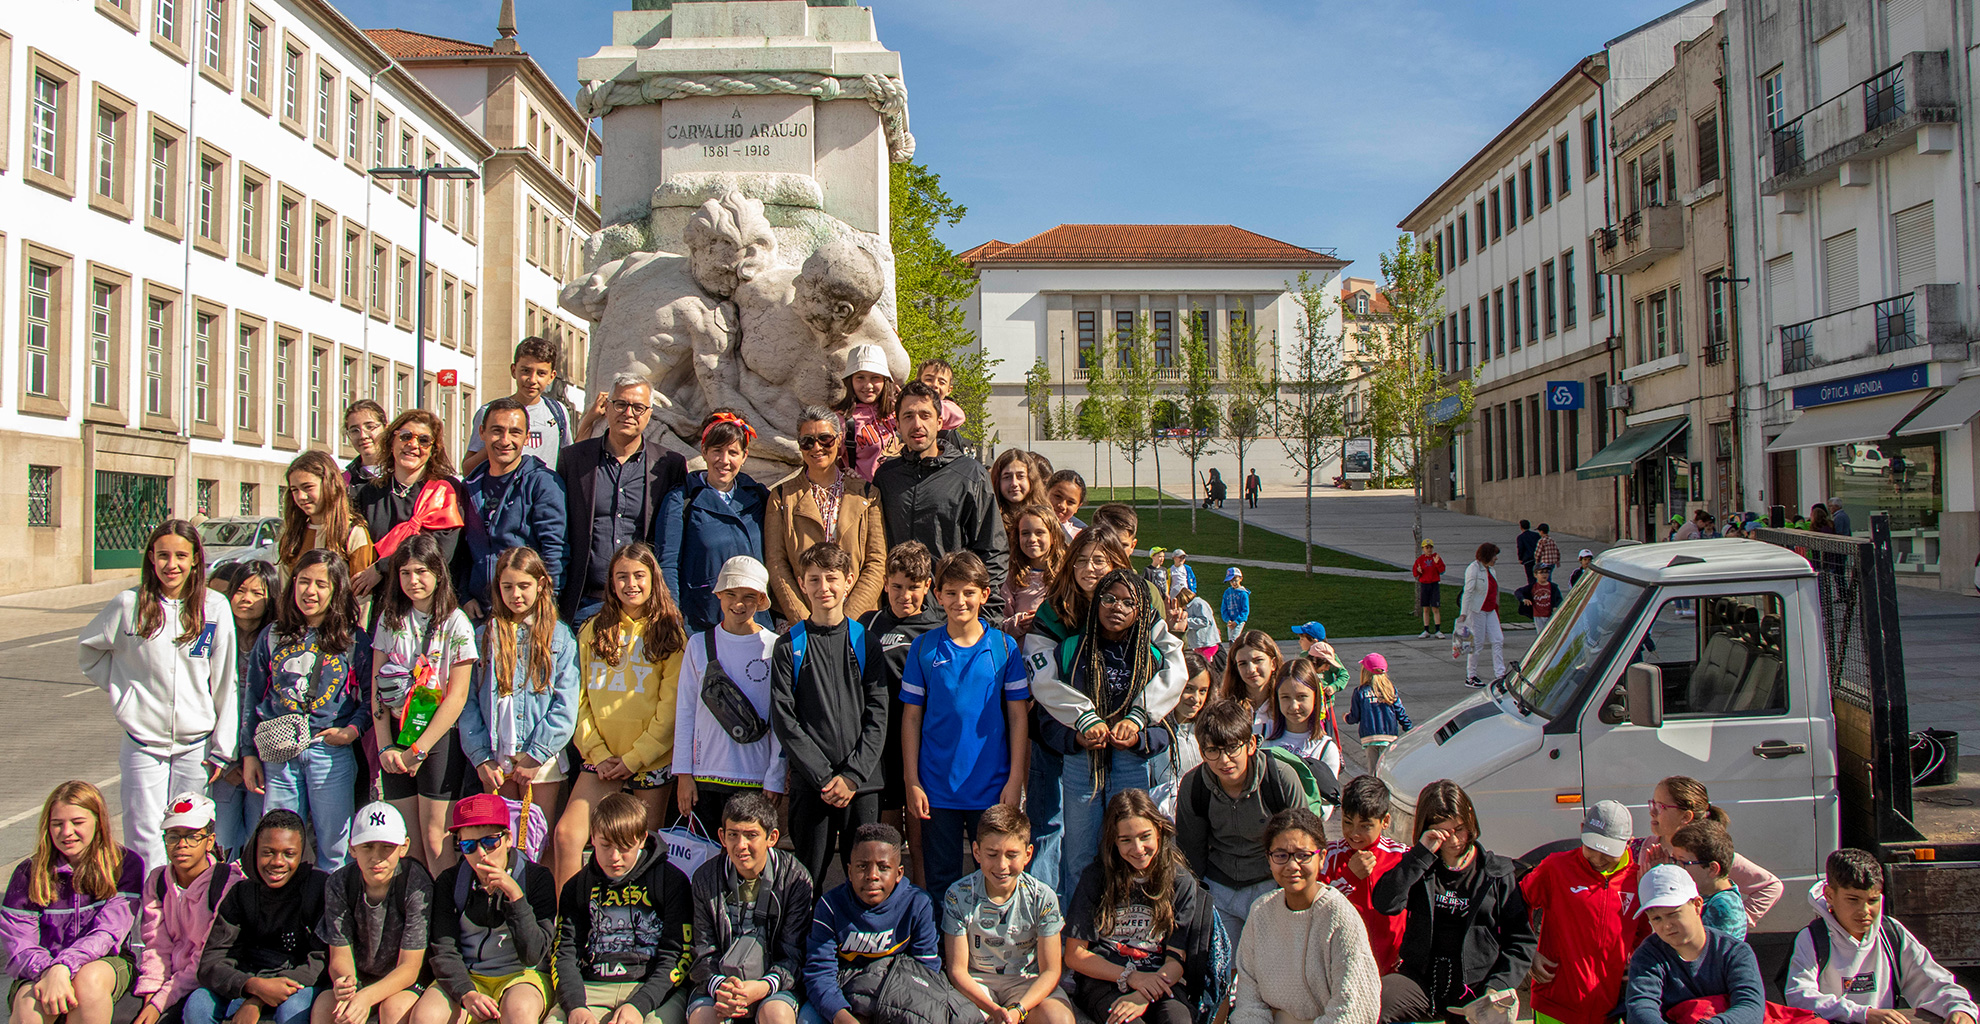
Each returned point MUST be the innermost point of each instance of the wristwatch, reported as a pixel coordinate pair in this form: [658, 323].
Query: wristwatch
[1016, 1006]
[416, 753]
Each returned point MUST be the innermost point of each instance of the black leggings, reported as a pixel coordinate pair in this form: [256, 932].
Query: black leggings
[1406, 999]
[1096, 998]
[819, 830]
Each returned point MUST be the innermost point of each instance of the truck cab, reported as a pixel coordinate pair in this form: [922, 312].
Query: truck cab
[1723, 640]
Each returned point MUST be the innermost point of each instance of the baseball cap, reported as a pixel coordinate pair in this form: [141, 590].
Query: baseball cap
[1153, 552]
[1428, 543]
[1585, 553]
[1374, 662]
[1606, 828]
[1232, 573]
[868, 358]
[1665, 885]
[379, 822]
[189, 811]
[1310, 630]
[480, 809]
[1180, 553]
[743, 573]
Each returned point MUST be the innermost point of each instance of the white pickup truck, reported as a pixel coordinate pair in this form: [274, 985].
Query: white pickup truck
[1774, 678]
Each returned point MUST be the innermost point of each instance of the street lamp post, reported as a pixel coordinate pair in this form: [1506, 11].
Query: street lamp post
[422, 175]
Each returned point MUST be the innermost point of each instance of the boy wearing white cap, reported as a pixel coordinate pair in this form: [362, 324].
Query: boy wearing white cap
[1683, 960]
[723, 743]
[179, 901]
[374, 922]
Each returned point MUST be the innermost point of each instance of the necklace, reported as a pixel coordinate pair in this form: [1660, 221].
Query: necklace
[400, 490]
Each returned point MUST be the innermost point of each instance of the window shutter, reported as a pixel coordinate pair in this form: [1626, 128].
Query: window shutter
[1906, 21]
[1917, 246]
[1831, 65]
[1708, 149]
[1780, 289]
[1839, 285]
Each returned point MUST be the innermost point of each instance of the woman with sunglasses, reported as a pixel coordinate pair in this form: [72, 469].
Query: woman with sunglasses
[418, 494]
[823, 502]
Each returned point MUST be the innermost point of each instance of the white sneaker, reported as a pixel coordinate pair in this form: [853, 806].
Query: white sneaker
[1440, 634]
[1425, 635]
[1475, 683]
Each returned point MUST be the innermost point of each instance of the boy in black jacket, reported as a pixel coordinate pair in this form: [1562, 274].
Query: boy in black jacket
[752, 911]
[905, 612]
[494, 921]
[263, 959]
[829, 714]
[622, 926]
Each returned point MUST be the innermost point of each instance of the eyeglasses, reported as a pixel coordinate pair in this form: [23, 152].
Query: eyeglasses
[1093, 562]
[1224, 753]
[487, 843]
[187, 838]
[1659, 805]
[810, 441]
[1688, 863]
[1116, 601]
[1301, 857]
[412, 440]
[620, 405]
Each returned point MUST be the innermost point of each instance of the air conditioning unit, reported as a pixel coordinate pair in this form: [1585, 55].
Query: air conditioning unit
[1620, 396]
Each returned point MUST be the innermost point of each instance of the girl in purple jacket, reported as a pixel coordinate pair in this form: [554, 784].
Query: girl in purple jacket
[66, 913]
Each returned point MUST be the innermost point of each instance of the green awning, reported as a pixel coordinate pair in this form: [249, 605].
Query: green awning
[1631, 445]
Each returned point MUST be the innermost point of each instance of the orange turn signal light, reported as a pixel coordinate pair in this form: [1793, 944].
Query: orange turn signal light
[1567, 798]
[1924, 853]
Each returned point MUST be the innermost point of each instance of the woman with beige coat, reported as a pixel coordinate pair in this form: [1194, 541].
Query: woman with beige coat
[823, 502]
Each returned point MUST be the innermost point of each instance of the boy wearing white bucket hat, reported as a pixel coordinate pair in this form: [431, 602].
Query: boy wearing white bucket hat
[723, 744]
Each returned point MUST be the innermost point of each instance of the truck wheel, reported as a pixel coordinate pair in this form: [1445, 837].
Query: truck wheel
[1532, 858]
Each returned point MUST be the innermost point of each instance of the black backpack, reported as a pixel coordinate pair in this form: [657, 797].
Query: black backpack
[1818, 937]
[216, 890]
[903, 990]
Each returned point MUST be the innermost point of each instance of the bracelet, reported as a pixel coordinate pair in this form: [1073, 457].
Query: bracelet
[1127, 971]
[1017, 1006]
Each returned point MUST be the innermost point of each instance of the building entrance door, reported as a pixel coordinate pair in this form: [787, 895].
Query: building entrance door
[128, 507]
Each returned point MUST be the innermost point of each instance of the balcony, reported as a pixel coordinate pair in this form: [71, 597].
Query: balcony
[1918, 326]
[1874, 118]
[1643, 238]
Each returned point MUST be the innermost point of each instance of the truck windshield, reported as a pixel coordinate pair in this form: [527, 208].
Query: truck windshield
[1574, 644]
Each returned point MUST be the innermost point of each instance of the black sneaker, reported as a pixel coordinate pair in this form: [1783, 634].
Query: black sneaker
[1475, 683]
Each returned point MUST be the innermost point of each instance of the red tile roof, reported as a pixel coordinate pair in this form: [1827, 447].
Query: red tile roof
[405, 45]
[975, 252]
[1150, 243]
[1378, 300]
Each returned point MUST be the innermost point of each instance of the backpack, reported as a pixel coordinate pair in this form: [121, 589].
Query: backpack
[214, 892]
[902, 990]
[855, 634]
[1319, 793]
[1818, 937]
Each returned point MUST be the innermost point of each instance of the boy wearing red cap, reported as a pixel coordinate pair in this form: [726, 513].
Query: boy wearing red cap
[494, 924]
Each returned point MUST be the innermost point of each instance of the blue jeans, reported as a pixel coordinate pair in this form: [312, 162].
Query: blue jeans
[944, 838]
[1086, 810]
[317, 784]
[1234, 905]
[1041, 805]
[203, 1007]
[237, 810]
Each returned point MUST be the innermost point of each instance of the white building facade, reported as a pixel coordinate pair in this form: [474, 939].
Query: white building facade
[196, 272]
[1856, 161]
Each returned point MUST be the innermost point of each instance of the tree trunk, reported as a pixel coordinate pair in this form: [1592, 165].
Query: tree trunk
[1192, 495]
[1158, 481]
[1227, 490]
[1309, 522]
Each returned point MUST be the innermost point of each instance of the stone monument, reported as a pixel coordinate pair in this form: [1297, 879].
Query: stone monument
[744, 197]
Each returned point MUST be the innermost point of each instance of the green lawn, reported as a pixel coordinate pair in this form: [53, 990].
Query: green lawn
[1216, 536]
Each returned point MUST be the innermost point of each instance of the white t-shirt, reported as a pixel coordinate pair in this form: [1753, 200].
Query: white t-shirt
[701, 748]
[451, 644]
[546, 439]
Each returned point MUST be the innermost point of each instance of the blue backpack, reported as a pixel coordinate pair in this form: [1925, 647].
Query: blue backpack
[855, 633]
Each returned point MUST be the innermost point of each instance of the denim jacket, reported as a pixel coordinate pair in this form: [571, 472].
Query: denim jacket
[544, 721]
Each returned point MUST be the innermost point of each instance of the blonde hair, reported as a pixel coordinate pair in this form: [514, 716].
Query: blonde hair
[102, 861]
[1379, 686]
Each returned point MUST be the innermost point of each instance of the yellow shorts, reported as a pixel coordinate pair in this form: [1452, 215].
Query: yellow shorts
[493, 986]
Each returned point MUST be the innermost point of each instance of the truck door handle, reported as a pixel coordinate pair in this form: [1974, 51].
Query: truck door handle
[1779, 748]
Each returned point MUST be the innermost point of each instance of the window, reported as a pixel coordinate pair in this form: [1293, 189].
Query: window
[1517, 441]
[1512, 206]
[1496, 222]
[162, 212]
[354, 127]
[157, 346]
[285, 355]
[288, 231]
[1840, 285]
[402, 291]
[43, 322]
[319, 368]
[1478, 220]
[204, 325]
[41, 496]
[1561, 165]
[111, 177]
[203, 496]
[1499, 322]
[254, 73]
[1505, 465]
[1717, 337]
[1567, 290]
[1512, 312]
[1533, 431]
[166, 25]
[1124, 337]
[1485, 423]
[248, 503]
[208, 216]
[1546, 179]
[1450, 247]
[447, 310]
[1651, 187]
[319, 251]
[401, 392]
[247, 354]
[1463, 239]
[1721, 657]
[1553, 441]
[326, 105]
[1706, 130]
[1547, 283]
[1595, 296]
[1915, 233]
[1773, 98]
[213, 36]
[292, 63]
[105, 330]
[1573, 432]
[1591, 146]
[467, 209]
[380, 255]
[47, 153]
[254, 189]
[1086, 320]
[352, 262]
[1677, 319]
[1464, 338]
[1526, 192]
[1532, 306]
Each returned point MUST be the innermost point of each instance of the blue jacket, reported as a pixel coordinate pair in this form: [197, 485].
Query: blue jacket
[277, 683]
[846, 933]
[545, 721]
[1237, 605]
[1659, 979]
[1378, 720]
[696, 530]
[530, 514]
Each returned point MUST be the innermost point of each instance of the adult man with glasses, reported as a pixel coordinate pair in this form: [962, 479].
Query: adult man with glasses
[613, 484]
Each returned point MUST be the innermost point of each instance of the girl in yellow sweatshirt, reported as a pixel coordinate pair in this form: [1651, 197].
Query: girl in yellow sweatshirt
[629, 659]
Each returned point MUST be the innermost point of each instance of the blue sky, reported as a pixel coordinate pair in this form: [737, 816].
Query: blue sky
[1318, 123]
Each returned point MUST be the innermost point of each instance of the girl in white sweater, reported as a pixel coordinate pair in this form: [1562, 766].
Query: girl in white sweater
[1304, 958]
[165, 652]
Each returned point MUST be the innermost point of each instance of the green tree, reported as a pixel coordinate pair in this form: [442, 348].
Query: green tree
[1411, 401]
[1313, 394]
[1251, 390]
[1038, 397]
[1195, 392]
[931, 289]
[1095, 417]
[1133, 381]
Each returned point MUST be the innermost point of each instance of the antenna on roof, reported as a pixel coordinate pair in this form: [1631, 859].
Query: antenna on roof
[505, 26]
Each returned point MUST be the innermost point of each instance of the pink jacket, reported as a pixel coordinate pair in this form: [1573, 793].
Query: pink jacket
[174, 931]
[952, 415]
[870, 439]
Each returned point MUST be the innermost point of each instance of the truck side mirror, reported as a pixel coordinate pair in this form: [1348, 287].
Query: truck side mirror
[1646, 695]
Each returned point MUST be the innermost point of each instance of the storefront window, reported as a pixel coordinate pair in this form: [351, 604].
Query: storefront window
[1900, 477]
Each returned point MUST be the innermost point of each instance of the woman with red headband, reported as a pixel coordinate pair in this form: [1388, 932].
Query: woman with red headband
[715, 516]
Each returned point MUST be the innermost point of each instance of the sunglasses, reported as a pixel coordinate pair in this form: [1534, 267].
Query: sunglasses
[810, 441]
[487, 843]
[412, 440]
[176, 838]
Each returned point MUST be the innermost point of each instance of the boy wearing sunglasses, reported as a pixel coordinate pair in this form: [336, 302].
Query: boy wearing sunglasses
[494, 923]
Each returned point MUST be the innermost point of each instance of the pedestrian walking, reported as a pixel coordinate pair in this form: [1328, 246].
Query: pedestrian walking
[1251, 486]
[1525, 546]
[1478, 614]
[1546, 553]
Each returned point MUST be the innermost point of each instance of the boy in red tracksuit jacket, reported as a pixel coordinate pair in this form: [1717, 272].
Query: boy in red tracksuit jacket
[1428, 571]
[1364, 824]
[1584, 909]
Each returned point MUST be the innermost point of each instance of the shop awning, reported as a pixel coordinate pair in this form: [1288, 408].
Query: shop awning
[1870, 419]
[1623, 453]
[1949, 411]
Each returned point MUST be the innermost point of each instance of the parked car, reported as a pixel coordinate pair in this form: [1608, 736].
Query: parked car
[239, 538]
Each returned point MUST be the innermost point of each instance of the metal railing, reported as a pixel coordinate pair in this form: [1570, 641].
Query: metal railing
[1787, 147]
[1896, 324]
[1796, 352]
[1883, 98]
